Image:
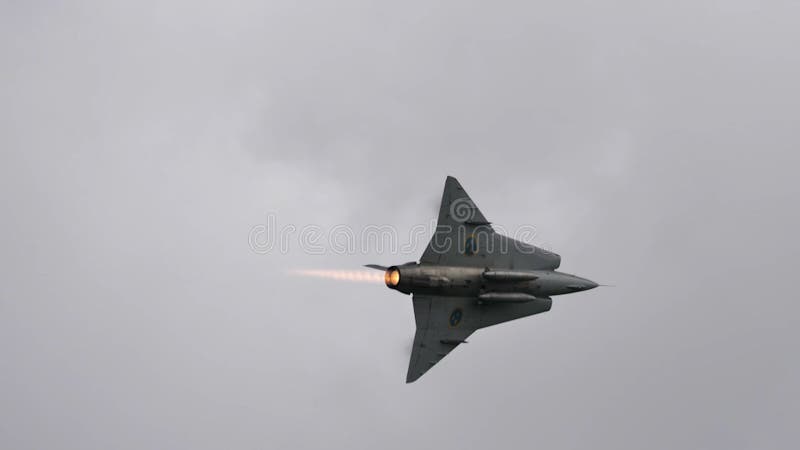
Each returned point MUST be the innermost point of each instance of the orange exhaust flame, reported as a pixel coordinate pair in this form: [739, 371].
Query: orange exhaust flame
[361, 276]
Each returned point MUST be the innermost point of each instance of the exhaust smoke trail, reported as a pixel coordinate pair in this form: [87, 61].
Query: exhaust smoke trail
[360, 276]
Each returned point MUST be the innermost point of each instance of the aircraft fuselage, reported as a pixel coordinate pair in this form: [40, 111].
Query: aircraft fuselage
[483, 283]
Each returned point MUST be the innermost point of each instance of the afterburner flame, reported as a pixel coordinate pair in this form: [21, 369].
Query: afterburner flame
[362, 276]
[392, 277]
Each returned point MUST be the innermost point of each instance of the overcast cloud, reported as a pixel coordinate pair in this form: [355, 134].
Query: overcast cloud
[654, 146]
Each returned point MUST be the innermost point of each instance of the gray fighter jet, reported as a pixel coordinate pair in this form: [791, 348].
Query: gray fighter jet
[471, 277]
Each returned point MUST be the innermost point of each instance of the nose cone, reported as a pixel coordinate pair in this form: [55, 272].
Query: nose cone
[589, 284]
[578, 284]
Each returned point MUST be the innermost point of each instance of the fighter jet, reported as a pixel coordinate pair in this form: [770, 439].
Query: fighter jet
[471, 277]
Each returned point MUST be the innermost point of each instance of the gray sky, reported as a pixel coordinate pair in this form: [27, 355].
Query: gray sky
[653, 146]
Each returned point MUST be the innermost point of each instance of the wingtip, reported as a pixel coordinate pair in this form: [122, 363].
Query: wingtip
[412, 376]
[452, 183]
[451, 179]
